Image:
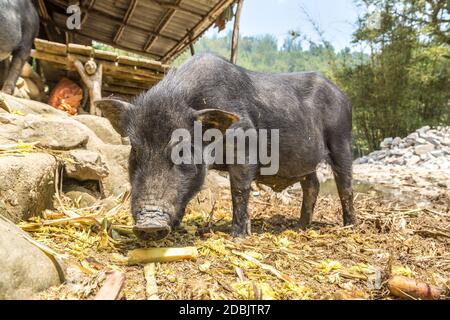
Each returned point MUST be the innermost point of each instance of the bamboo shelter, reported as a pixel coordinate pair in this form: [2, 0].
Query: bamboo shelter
[120, 75]
[155, 31]
[158, 29]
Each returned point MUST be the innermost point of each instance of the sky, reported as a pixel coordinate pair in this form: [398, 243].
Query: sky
[276, 17]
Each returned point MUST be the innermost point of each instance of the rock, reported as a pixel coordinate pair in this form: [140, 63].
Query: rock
[421, 141]
[101, 127]
[25, 106]
[413, 136]
[24, 269]
[80, 196]
[205, 200]
[27, 186]
[423, 149]
[396, 141]
[437, 153]
[116, 158]
[86, 165]
[433, 140]
[109, 203]
[398, 152]
[386, 143]
[413, 160]
[423, 131]
[54, 133]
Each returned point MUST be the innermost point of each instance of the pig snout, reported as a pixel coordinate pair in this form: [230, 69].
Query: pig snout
[152, 225]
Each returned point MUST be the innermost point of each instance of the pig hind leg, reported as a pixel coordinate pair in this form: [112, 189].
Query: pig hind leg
[20, 56]
[341, 163]
[310, 187]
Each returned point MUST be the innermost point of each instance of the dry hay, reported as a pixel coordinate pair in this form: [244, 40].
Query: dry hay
[277, 262]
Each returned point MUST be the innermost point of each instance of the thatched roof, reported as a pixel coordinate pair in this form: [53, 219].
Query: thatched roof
[160, 29]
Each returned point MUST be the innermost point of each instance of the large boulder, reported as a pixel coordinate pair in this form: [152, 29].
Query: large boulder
[53, 132]
[205, 200]
[56, 130]
[86, 165]
[24, 269]
[27, 185]
[101, 127]
[24, 106]
[116, 158]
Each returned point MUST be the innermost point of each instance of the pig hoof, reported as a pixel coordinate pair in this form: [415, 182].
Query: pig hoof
[351, 222]
[8, 90]
[239, 235]
[304, 225]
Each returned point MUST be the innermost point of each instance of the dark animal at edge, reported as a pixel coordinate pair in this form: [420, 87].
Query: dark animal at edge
[19, 23]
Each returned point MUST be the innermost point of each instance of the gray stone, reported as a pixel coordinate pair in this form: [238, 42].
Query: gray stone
[433, 140]
[27, 186]
[413, 160]
[413, 136]
[386, 142]
[24, 269]
[421, 141]
[437, 153]
[80, 196]
[396, 141]
[398, 152]
[423, 149]
[423, 131]
[101, 127]
[86, 165]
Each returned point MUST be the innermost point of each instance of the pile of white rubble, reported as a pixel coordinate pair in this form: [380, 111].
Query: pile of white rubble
[426, 148]
[418, 165]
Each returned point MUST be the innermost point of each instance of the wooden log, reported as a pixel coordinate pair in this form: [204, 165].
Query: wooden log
[148, 64]
[122, 89]
[80, 50]
[109, 67]
[105, 55]
[235, 40]
[50, 47]
[92, 82]
[111, 290]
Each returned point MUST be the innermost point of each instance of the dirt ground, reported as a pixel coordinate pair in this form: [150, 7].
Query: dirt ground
[278, 261]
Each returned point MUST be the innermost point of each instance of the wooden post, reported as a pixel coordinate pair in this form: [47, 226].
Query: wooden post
[235, 40]
[91, 75]
[191, 43]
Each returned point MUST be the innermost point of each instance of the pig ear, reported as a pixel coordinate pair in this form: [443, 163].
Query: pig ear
[114, 111]
[216, 118]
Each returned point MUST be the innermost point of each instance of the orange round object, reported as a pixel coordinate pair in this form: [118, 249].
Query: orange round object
[66, 96]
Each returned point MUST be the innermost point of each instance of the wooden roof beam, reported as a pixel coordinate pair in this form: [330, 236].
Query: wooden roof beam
[197, 30]
[165, 20]
[131, 8]
[115, 19]
[177, 7]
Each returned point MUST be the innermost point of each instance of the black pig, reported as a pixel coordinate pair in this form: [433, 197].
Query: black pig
[313, 116]
[19, 26]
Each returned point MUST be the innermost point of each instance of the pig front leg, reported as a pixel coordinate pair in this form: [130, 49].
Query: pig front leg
[15, 69]
[241, 178]
[310, 188]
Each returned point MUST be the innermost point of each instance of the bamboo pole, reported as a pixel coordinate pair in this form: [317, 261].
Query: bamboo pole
[235, 41]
